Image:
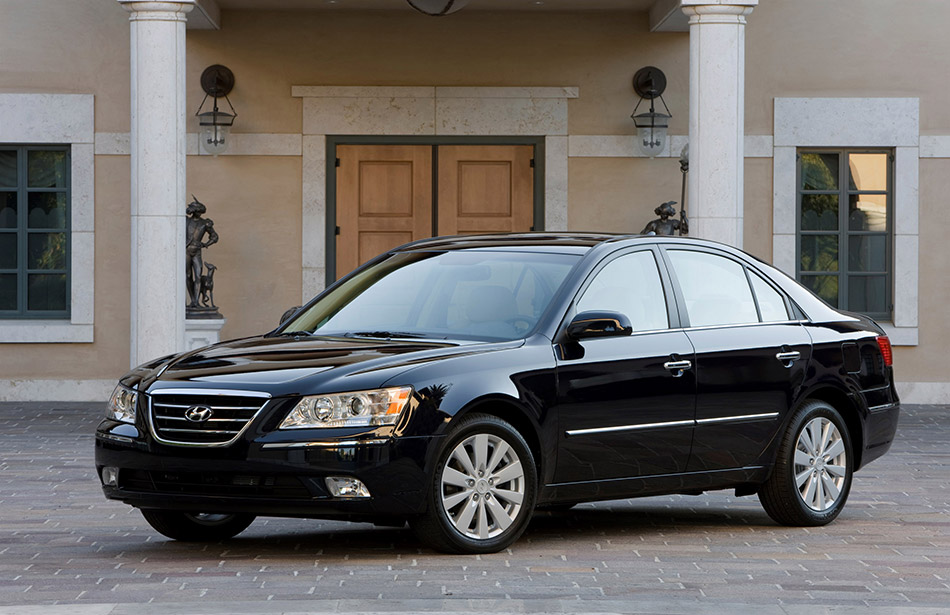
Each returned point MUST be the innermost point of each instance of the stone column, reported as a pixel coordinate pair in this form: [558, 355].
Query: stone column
[716, 117]
[158, 177]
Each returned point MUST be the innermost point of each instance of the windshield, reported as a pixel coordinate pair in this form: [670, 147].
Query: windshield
[475, 294]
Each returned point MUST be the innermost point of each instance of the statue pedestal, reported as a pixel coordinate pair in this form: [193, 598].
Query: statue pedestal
[202, 332]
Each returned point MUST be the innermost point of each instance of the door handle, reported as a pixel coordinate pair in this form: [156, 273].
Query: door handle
[677, 367]
[788, 358]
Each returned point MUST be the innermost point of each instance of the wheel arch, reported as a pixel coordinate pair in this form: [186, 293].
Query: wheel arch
[511, 412]
[842, 402]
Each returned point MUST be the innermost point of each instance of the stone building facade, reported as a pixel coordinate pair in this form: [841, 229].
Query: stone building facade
[786, 107]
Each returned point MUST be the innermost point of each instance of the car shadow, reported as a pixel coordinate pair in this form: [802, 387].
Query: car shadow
[336, 540]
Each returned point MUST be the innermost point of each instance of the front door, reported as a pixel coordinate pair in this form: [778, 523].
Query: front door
[388, 195]
[626, 404]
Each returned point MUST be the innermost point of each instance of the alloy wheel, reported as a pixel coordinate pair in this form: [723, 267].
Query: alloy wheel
[482, 486]
[821, 464]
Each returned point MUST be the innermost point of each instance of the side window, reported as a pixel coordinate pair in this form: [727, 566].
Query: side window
[630, 285]
[715, 289]
[771, 304]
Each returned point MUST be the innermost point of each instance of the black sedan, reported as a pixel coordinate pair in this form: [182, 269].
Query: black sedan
[460, 383]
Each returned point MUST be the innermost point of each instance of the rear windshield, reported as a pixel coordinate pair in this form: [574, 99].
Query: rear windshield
[465, 294]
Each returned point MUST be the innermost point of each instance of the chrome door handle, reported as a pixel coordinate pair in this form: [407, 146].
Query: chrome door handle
[677, 367]
[788, 358]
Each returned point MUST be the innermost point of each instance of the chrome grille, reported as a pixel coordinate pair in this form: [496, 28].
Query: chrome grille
[231, 413]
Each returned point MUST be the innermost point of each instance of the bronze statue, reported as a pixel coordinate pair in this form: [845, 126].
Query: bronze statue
[665, 225]
[200, 284]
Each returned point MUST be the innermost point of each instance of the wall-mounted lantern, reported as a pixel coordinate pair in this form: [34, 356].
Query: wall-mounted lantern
[649, 83]
[437, 8]
[216, 81]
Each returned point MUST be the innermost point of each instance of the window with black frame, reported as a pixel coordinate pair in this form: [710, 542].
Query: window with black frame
[845, 228]
[34, 232]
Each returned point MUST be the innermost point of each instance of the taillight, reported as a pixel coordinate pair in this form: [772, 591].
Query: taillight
[885, 346]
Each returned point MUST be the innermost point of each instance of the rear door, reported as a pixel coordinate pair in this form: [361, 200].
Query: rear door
[751, 356]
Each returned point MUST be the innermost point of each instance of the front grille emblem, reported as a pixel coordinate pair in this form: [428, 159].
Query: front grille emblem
[198, 414]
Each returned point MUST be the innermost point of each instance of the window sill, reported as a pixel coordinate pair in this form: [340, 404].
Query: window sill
[900, 336]
[44, 332]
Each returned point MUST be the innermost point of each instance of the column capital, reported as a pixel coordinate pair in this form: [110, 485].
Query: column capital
[722, 3]
[158, 10]
[717, 11]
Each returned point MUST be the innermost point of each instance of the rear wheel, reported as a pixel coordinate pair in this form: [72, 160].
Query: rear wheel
[812, 476]
[483, 489]
[196, 527]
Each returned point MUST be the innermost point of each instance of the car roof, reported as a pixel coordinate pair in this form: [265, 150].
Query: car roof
[513, 240]
[556, 242]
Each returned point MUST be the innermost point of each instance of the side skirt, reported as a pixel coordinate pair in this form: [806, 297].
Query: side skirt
[691, 483]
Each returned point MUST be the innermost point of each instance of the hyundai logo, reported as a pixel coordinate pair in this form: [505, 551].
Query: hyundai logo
[198, 414]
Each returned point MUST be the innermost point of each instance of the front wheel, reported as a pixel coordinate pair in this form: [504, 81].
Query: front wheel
[483, 489]
[196, 527]
[812, 475]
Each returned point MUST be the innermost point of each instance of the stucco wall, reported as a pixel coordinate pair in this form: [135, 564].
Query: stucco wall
[618, 195]
[255, 204]
[69, 46]
[848, 48]
[270, 51]
[924, 363]
[757, 216]
[108, 356]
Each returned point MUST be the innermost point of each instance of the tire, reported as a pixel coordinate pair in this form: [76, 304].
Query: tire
[805, 488]
[196, 527]
[482, 490]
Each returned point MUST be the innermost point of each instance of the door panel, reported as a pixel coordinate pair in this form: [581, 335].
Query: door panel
[623, 410]
[485, 188]
[748, 372]
[743, 390]
[621, 413]
[384, 199]
[385, 195]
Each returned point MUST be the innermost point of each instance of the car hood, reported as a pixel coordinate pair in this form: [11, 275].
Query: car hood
[300, 366]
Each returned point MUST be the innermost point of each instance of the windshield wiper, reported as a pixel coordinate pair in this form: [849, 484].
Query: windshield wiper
[294, 334]
[384, 334]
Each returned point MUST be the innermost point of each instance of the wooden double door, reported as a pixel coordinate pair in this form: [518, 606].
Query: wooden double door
[388, 195]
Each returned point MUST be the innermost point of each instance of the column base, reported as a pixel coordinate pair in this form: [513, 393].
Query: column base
[202, 332]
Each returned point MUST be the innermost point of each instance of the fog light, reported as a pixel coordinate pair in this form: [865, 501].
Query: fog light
[346, 487]
[110, 476]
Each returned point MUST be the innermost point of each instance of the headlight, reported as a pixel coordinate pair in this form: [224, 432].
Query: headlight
[122, 405]
[357, 409]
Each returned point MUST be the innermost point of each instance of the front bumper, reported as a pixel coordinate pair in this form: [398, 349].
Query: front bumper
[286, 479]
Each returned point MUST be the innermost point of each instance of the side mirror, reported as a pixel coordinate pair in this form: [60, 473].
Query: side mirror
[599, 324]
[286, 315]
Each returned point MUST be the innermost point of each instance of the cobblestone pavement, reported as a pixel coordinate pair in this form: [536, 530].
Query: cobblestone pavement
[65, 549]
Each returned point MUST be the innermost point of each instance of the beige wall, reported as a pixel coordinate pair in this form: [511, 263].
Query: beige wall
[757, 215]
[69, 47]
[255, 204]
[618, 195]
[270, 51]
[863, 48]
[108, 356]
[925, 363]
